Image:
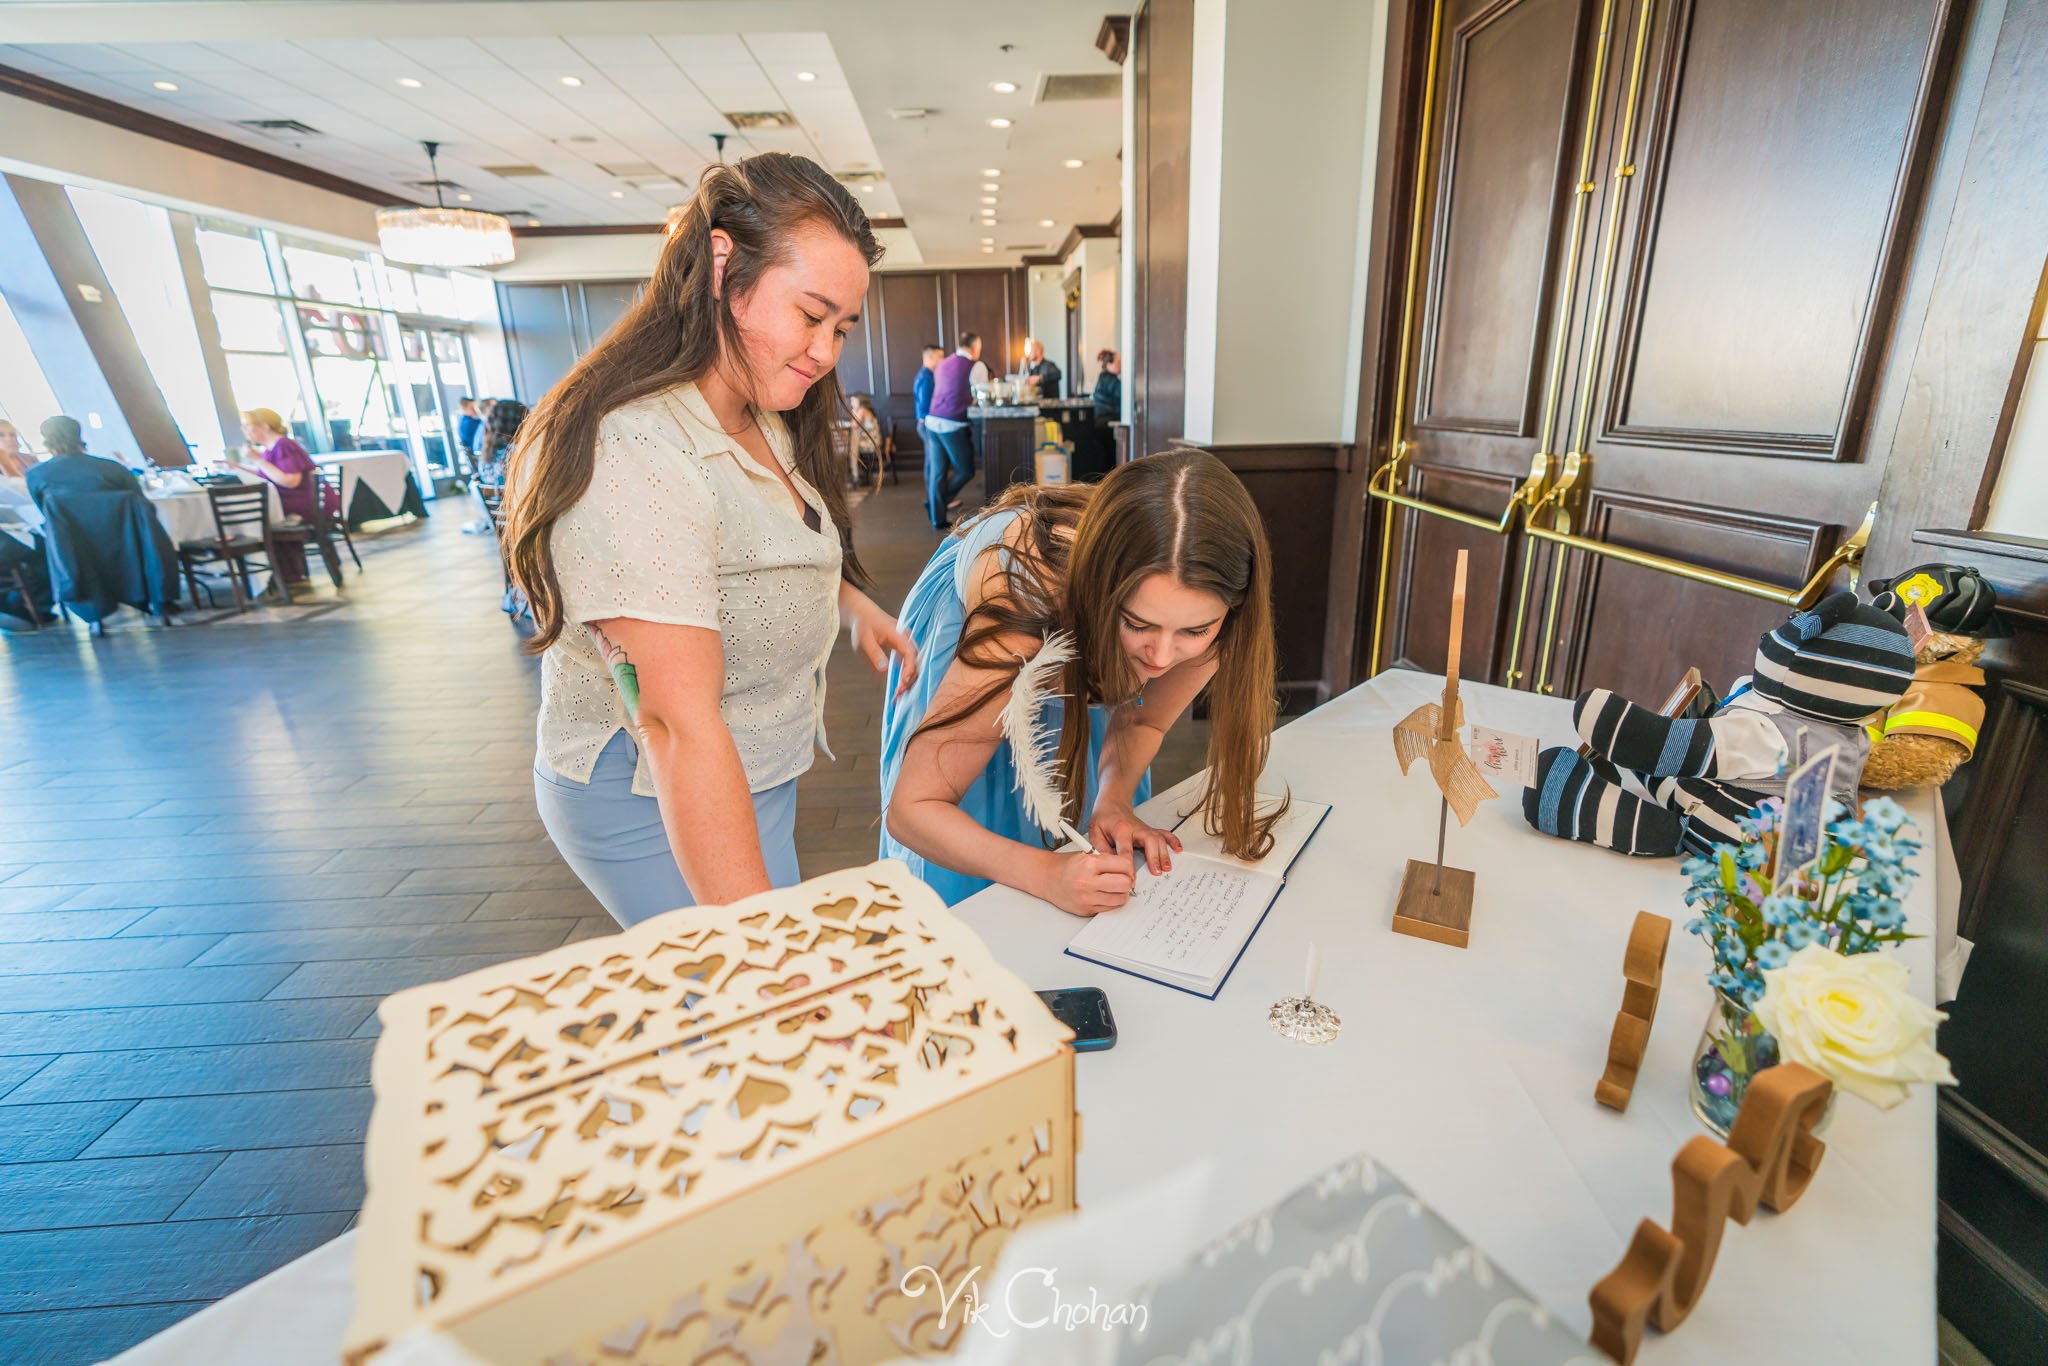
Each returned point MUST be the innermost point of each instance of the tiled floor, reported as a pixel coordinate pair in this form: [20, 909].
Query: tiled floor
[220, 845]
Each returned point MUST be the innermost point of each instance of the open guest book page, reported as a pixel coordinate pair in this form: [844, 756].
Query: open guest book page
[1186, 928]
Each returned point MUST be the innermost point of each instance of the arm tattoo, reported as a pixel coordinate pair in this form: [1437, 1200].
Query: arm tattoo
[623, 673]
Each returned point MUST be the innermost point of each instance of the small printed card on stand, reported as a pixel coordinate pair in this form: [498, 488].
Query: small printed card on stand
[1803, 831]
[1504, 757]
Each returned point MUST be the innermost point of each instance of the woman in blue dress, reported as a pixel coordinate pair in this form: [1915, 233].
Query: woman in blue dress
[1162, 577]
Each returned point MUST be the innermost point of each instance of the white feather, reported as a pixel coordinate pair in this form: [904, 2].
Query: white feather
[1034, 749]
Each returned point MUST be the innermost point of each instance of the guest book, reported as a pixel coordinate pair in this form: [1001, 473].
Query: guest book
[1186, 928]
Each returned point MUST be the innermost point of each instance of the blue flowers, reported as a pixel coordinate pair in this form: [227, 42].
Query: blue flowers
[1852, 898]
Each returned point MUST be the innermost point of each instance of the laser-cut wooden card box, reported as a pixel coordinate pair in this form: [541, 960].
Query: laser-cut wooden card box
[726, 1131]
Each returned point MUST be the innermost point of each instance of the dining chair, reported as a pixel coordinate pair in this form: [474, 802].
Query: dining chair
[325, 528]
[28, 599]
[242, 532]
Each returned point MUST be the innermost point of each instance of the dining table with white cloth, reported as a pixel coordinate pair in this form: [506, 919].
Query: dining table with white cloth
[187, 515]
[1468, 1073]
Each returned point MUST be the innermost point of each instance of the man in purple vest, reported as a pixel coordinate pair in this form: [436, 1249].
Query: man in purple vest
[948, 446]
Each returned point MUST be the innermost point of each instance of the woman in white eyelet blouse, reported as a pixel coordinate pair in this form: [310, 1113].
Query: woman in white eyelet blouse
[677, 519]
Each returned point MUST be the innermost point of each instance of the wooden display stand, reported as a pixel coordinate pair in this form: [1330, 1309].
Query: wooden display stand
[1435, 901]
[728, 1132]
[1642, 970]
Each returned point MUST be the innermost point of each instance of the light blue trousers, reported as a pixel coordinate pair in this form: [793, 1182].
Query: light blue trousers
[613, 839]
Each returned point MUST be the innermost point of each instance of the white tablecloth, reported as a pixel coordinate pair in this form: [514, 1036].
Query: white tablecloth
[188, 515]
[1468, 1072]
[384, 471]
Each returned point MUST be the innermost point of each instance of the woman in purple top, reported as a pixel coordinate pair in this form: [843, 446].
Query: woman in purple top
[282, 462]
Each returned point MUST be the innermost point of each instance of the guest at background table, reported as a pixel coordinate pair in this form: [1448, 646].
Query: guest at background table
[500, 435]
[66, 468]
[465, 429]
[1040, 377]
[949, 449]
[281, 462]
[14, 461]
[867, 434]
[1162, 575]
[1109, 386]
[678, 522]
[22, 548]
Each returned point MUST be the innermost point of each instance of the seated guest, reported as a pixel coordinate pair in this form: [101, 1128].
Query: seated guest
[1109, 386]
[14, 461]
[21, 527]
[282, 463]
[1161, 579]
[1039, 376]
[867, 431]
[500, 435]
[66, 467]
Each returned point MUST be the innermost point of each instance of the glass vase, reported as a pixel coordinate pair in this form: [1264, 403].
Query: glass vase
[1734, 1046]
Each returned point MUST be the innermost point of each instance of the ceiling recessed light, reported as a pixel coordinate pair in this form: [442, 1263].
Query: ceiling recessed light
[410, 82]
[999, 123]
[988, 241]
[464, 198]
[990, 171]
[988, 199]
[1003, 87]
[807, 75]
[991, 187]
[867, 189]
[1073, 163]
[618, 194]
[572, 80]
[167, 85]
[533, 222]
[988, 250]
[1045, 222]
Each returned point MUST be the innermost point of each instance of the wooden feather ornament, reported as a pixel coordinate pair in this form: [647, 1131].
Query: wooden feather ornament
[1033, 748]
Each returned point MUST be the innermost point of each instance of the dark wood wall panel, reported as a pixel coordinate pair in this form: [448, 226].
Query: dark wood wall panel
[1638, 629]
[1775, 213]
[909, 321]
[981, 303]
[1994, 1123]
[1162, 49]
[1427, 550]
[1496, 234]
[540, 332]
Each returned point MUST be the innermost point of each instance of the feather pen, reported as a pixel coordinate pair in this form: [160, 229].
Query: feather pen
[1032, 749]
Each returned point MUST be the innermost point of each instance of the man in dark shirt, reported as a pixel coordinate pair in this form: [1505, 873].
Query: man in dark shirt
[1109, 386]
[1037, 367]
[68, 469]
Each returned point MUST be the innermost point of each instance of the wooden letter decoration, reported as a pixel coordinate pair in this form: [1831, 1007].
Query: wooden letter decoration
[1642, 970]
[727, 1132]
[1436, 902]
[1770, 1156]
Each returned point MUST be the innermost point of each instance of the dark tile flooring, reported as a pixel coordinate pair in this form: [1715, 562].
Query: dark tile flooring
[220, 845]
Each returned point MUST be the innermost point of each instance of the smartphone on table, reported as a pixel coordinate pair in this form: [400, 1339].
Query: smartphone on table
[1085, 1010]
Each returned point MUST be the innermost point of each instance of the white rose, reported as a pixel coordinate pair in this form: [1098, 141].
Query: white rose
[1855, 1021]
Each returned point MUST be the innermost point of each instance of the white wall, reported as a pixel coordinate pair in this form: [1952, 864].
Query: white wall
[606, 256]
[1283, 135]
[1102, 281]
[49, 144]
[1046, 290]
[2019, 501]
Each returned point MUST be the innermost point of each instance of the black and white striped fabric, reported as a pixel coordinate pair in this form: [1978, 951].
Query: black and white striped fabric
[1842, 661]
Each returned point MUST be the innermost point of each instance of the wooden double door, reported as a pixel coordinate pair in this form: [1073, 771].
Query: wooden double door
[1658, 252]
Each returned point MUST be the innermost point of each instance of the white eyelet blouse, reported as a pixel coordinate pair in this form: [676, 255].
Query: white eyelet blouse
[680, 526]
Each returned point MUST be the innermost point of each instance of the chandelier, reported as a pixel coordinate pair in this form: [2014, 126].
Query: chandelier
[442, 236]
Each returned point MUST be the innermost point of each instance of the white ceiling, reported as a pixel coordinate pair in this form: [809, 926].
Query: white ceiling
[654, 79]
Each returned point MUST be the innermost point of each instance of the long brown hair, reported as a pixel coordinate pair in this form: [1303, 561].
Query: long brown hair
[1081, 553]
[676, 332]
